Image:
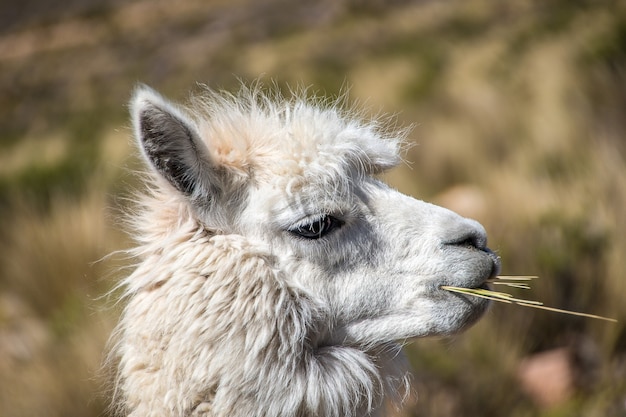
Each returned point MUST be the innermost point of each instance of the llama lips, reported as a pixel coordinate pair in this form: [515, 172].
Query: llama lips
[484, 286]
[497, 263]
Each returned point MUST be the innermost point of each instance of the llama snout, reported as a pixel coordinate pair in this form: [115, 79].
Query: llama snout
[465, 244]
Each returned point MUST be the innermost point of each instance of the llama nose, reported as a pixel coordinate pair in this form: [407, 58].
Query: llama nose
[467, 233]
[470, 234]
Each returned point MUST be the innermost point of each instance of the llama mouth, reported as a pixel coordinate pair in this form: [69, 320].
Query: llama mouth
[487, 267]
[483, 286]
[478, 304]
[479, 282]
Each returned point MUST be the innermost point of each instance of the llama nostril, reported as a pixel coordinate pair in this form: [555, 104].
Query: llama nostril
[470, 235]
[468, 242]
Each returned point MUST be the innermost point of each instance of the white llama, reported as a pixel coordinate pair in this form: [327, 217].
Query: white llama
[277, 276]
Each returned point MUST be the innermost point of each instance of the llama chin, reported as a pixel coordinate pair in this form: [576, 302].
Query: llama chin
[276, 275]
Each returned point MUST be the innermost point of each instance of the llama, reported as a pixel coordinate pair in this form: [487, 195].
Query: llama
[276, 275]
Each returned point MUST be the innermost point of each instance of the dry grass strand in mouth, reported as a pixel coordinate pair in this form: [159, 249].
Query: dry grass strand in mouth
[503, 297]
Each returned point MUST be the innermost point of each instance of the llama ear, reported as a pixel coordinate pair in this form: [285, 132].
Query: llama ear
[170, 143]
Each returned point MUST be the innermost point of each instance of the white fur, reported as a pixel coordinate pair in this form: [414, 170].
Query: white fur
[231, 313]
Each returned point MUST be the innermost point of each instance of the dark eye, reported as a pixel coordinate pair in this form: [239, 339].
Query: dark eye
[318, 228]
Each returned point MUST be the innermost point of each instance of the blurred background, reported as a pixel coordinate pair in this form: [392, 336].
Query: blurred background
[519, 115]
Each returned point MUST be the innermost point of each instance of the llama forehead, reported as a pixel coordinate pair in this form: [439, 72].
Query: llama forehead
[310, 182]
[290, 139]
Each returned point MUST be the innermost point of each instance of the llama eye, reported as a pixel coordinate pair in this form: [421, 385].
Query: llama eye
[318, 228]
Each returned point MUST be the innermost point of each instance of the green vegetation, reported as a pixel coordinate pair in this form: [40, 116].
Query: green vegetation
[518, 110]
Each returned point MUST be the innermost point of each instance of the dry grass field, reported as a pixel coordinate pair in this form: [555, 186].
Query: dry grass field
[519, 115]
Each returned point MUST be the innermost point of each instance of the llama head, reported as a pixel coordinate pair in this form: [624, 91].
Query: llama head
[299, 181]
[270, 250]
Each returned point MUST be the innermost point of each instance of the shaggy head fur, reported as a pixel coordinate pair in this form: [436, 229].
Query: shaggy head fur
[277, 276]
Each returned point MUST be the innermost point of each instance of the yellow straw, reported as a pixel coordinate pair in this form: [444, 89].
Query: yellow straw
[508, 298]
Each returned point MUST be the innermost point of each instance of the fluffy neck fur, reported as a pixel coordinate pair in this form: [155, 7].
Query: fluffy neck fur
[213, 328]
